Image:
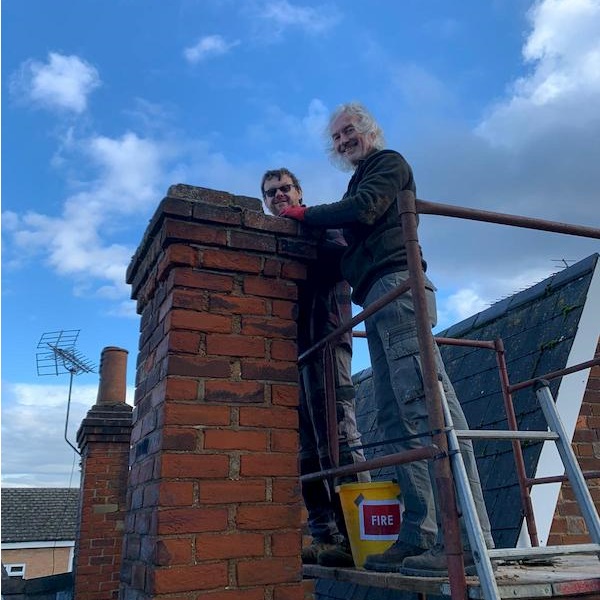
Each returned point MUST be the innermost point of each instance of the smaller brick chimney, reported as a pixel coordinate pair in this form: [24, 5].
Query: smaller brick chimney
[103, 439]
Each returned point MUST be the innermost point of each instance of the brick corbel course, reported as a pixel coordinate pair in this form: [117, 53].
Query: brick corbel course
[214, 499]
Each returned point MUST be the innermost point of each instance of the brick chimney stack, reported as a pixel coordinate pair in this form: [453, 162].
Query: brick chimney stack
[214, 499]
[103, 439]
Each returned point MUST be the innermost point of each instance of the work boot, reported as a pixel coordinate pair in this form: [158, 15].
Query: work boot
[338, 556]
[390, 561]
[434, 563]
[310, 554]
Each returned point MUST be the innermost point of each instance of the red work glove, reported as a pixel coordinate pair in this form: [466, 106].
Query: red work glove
[294, 212]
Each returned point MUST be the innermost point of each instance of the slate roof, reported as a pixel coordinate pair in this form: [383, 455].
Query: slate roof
[538, 327]
[39, 514]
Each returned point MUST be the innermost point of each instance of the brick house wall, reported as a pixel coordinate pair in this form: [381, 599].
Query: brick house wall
[568, 526]
[214, 500]
[40, 562]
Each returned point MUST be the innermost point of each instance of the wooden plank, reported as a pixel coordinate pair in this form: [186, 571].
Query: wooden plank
[392, 581]
[564, 577]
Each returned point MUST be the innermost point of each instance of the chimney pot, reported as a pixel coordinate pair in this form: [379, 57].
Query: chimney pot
[113, 376]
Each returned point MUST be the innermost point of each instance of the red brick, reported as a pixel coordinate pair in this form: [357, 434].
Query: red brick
[227, 213]
[176, 255]
[246, 392]
[187, 466]
[285, 395]
[593, 422]
[198, 366]
[294, 270]
[269, 465]
[237, 305]
[267, 370]
[176, 493]
[268, 327]
[285, 310]
[171, 552]
[224, 439]
[184, 341]
[271, 267]
[235, 345]
[269, 288]
[257, 220]
[252, 241]
[201, 280]
[283, 440]
[298, 591]
[583, 451]
[191, 520]
[194, 414]
[230, 545]
[295, 247]
[268, 571]
[179, 438]
[276, 417]
[228, 492]
[284, 350]
[190, 578]
[181, 389]
[286, 490]
[194, 232]
[268, 516]
[193, 299]
[287, 543]
[198, 321]
[229, 260]
[175, 205]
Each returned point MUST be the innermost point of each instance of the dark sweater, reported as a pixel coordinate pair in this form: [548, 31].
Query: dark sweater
[368, 212]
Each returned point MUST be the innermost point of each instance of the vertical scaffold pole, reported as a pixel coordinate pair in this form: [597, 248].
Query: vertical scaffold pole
[442, 471]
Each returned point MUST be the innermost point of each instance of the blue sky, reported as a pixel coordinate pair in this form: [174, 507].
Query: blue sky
[106, 104]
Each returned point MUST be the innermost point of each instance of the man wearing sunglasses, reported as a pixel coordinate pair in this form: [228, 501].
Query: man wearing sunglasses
[324, 304]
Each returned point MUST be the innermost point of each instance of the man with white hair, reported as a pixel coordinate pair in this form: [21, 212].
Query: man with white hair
[374, 263]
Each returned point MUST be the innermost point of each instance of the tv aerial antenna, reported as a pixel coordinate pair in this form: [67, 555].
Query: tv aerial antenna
[57, 355]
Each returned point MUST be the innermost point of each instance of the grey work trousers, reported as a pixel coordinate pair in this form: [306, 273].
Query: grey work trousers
[402, 410]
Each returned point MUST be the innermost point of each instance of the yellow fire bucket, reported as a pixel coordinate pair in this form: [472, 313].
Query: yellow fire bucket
[372, 513]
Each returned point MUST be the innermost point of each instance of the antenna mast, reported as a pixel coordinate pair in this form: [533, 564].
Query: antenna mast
[57, 355]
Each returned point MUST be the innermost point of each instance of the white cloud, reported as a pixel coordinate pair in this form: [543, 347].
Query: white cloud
[34, 451]
[463, 304]
[285, 14]
[63, 82]
[564, 84]
[535, 154]
[130, 171]
[208, 46]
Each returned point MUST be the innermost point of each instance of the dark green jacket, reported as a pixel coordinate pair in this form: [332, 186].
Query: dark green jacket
[368, 212]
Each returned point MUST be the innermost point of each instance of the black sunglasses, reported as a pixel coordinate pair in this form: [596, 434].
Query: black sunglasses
[284, 188]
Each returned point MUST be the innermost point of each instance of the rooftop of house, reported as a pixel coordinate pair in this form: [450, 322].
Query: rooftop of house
[541, 328]
[39, 514]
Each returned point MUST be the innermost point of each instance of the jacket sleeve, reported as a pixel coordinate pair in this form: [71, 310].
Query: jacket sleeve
[381, 177]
